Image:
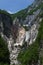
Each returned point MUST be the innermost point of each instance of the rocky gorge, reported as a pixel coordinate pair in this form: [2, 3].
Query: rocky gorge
[20, 29]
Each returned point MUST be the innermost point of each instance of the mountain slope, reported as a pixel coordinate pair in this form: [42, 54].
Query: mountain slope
[29, 10]
[23, 32]
[5, 22]
[31, 55]
[4, 53]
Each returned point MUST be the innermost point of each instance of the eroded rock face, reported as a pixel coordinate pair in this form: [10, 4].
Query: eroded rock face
[17, 46]
[15, 35]
[5, 24]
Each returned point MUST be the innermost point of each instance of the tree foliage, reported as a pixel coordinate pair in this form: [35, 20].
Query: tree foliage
[4, 53]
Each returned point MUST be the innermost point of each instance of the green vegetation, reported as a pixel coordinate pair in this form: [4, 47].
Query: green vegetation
[26, 28]
[35, 9]
[23, 13]
[31, 55]
[4, 64]
[4, 12]
[41, 15]
[4, 53]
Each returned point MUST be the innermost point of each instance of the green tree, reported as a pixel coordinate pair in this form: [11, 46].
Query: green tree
[4, 53]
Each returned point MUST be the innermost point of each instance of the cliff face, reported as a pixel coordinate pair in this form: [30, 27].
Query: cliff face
[5, 23]
[31, 23]
[22, 34]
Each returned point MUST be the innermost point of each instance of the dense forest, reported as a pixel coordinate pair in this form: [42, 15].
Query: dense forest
[4, 53]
